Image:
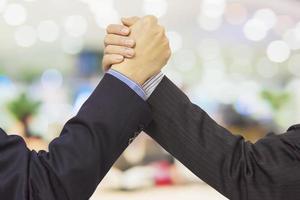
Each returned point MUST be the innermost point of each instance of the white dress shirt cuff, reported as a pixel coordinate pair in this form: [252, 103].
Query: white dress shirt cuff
[150, 85]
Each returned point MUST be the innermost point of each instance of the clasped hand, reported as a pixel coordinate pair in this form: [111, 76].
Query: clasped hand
[138, 49]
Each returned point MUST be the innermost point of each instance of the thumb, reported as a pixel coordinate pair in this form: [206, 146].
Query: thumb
[129, 21]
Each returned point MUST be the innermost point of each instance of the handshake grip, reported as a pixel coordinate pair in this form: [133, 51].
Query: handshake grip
[138, 49]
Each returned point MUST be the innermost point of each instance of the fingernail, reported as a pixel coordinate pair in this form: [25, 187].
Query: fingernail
[125, 30]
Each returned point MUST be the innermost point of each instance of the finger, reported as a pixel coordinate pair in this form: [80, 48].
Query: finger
[118, 29]
[112, 39]
[124, 51]
[129, 21]
[111, 59]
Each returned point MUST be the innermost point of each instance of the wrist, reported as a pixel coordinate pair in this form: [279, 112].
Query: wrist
[135, 74]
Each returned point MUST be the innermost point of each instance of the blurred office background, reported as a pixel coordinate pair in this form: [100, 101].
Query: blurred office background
[237, 59]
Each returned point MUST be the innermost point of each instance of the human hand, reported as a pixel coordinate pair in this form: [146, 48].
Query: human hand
[151, 51]
[118, 45]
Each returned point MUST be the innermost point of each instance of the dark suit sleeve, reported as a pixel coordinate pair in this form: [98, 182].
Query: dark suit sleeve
[80, 157]
[269, 169]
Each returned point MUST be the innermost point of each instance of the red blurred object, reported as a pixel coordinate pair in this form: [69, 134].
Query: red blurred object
[163, 175]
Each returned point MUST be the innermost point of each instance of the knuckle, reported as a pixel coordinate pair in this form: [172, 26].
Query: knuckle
[162, 30]
[150, 18]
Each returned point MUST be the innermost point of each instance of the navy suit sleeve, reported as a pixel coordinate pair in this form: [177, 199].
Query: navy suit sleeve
[80, 157]
[240, 170]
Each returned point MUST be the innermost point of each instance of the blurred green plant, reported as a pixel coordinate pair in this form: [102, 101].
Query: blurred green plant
[29, 75]
[1, 70]
[23, 108]
[276, 99]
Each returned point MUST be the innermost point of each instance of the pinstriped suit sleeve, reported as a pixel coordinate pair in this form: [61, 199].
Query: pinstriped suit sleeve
[269, 169]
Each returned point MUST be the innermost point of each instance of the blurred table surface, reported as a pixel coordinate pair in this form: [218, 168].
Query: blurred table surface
[190, 192]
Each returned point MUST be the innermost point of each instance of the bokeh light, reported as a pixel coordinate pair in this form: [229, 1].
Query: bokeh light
[15, 14]
[75, 25]
[52, 78]
[255, 30]
[291, 37]
[213, 8]
[267, 16]
[278, 51]
[2, 5]
[104, 12]
[104, 20]
[155, 7]
[8, 89]
[211, 14]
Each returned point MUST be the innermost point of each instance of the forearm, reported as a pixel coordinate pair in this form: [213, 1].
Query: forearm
[237, 169]
[80, 157]
[92, 141]
[191, 136]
